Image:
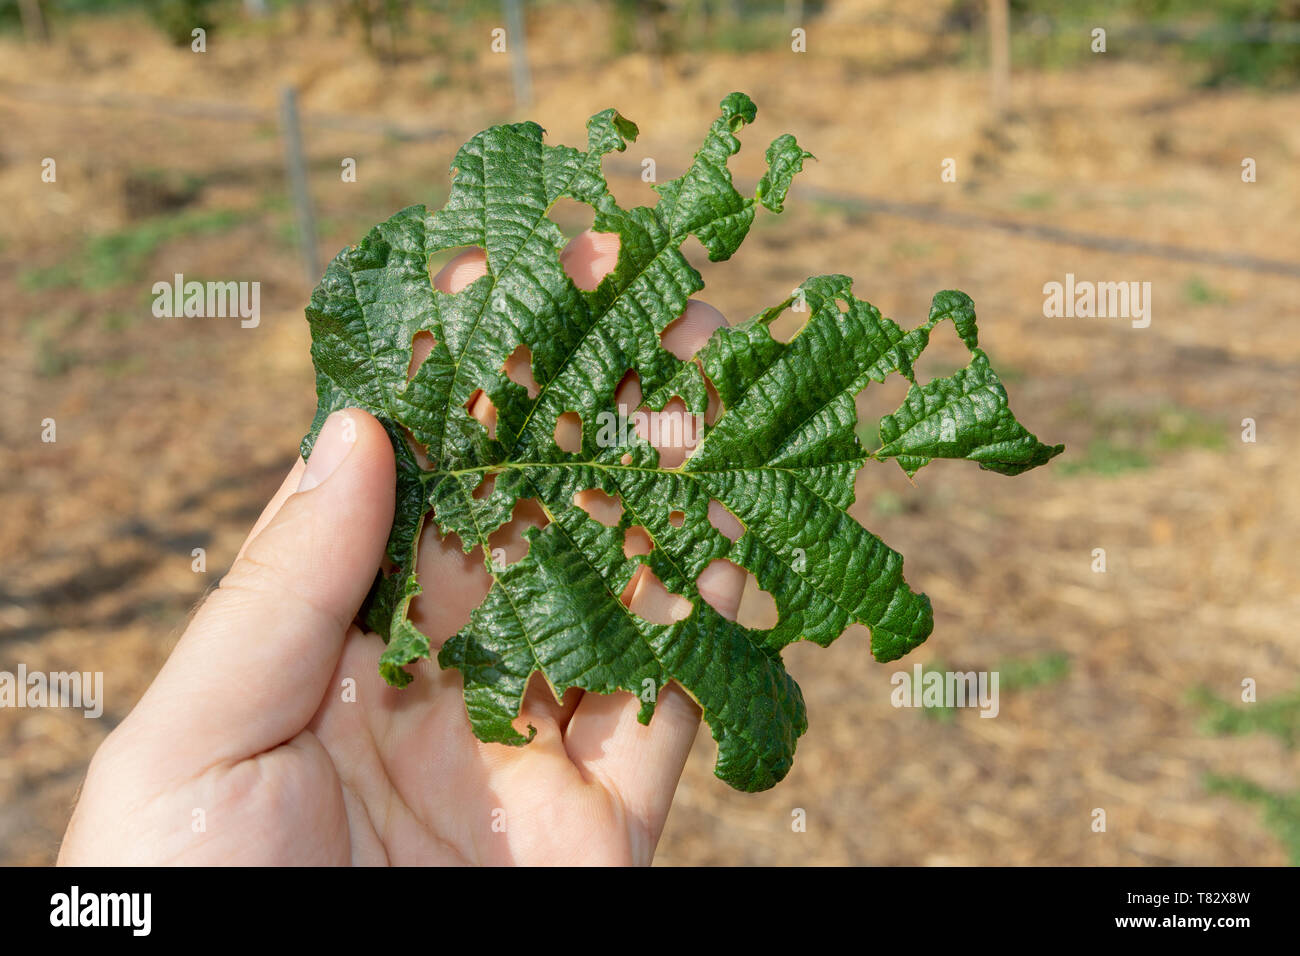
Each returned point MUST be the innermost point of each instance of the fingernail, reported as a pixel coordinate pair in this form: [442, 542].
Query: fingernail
[336, 439]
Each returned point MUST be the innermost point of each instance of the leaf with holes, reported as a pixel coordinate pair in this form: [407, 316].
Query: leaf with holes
[781, 456]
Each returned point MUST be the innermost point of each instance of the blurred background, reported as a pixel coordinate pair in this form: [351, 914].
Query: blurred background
[1120, 689]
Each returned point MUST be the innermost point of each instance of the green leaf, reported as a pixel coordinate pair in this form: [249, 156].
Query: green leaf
[784, 159]
[962, 416]
[781, 457]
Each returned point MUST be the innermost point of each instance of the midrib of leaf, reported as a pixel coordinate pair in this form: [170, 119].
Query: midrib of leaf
[700, 164]
[930, 415]
[577, 346]
[678, 470]
[712, 716]
[514, 608]
[767, 544]
[785, 563]
[937, 413]
[855, 387]
[505, 270]
[668, 555]
[385, 395]
[674, 240]
[579, 564]
[627, 612]
[863, 380]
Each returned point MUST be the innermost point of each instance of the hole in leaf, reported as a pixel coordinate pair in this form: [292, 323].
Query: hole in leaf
[693, 251]
[626, 458]
[419, 451]
[677, 518]
[758, 609]
[590, 257]
[842, 305]
[421, 348]
[674, 432]
[441, 613]
[723, 521]
[573, 217]
[637, 190]
[606, 509]
[628, 394]
[647, 598]
[944, 354]
[457, 268]
[568, 432]
[636, 540]
[482, 410]
[726, 587]
[714, 407]
[789, 323]
[519, 369]
[873, 403]
[485, 487]
[507, 543]
[686, 334]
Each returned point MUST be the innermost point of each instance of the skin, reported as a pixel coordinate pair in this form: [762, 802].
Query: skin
[246, 729]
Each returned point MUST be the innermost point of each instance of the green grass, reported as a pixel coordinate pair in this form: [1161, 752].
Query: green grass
[911, 249]
[1101, 456]
[131, 365]
[118, 258]
[1126, 440]
[943, 713]
[50, 339]
[1276, 716]
[1177, 429]
[886, 504]
[1196, 291]
[1216, 43]
[1281, 811]
[1015, 674]
[1035, 200]
[1028, 672]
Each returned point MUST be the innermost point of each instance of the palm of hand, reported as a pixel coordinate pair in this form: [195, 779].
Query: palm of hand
[364, 773]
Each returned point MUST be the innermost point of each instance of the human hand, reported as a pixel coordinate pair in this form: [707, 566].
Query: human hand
[248, 748]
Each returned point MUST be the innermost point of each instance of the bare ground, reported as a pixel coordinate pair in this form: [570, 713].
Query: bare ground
[171, 435]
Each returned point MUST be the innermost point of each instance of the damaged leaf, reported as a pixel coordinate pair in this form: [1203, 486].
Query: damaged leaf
[781, 456]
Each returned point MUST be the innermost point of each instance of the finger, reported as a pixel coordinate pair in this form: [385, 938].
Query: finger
[287, 488]
[463, 581]
[674, 434]
[455, 582]
[463, 269]
[688, 333]
[252, 667]
[644, 763]
[587, 259]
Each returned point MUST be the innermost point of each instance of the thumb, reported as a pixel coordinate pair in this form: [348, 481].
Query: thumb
[251, 669]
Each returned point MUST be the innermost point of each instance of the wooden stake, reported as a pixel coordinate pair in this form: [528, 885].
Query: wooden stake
[296, 165]
[34, 28]
[518, 47]
[999, 57]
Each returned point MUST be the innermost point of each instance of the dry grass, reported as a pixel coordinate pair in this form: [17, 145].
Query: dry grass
[173, 434]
